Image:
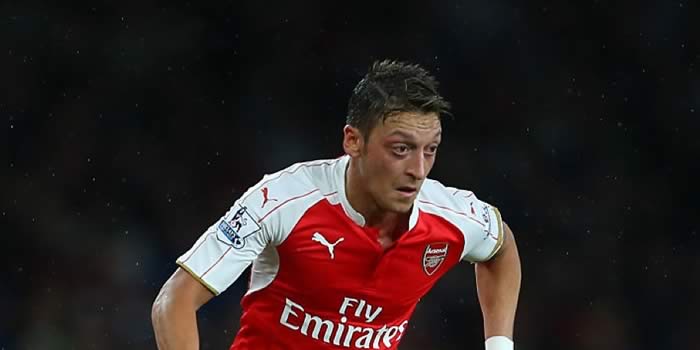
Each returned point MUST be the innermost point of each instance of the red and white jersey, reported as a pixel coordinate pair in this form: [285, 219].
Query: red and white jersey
[320, 279]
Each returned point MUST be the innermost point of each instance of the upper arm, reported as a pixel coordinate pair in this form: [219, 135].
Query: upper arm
[184, 289]
[508, 241]
[486, 232]
[226, 248]
[262, 217]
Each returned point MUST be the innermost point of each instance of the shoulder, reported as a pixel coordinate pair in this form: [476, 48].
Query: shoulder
[458, 206]
[297, 179]
[443, 198]
[291, 191]
[478, 221]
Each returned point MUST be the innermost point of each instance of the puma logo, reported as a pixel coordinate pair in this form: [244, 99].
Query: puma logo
[265, 193]
[317, 237]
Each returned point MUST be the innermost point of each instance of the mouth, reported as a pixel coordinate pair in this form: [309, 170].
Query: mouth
[407, 190]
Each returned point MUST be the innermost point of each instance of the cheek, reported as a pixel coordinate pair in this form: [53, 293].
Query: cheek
[393, 171]
[385, 169]
[430, 162]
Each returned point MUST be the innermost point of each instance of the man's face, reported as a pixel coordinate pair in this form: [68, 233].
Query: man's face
[397, 157]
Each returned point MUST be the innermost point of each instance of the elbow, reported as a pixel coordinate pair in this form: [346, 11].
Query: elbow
[158, 308]
[158, 317]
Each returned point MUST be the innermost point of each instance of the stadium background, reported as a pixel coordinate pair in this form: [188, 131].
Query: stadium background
[131, 127]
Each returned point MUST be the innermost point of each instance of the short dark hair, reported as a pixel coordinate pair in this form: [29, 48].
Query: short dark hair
[390, 87]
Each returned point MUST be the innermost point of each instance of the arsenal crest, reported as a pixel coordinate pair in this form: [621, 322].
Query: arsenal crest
[433, 257]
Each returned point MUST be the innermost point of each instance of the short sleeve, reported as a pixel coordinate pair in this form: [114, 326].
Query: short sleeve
[485, 238]
[227, 247]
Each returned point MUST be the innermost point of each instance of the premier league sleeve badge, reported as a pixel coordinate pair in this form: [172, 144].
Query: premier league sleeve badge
[234, 229]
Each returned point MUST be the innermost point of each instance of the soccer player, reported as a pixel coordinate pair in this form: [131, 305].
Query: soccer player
[343, 249]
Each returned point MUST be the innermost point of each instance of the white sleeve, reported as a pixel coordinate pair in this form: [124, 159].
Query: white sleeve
[227, 248]
[485, 238]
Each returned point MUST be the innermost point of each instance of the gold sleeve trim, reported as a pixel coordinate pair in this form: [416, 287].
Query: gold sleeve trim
[182, 265]
[501, 234]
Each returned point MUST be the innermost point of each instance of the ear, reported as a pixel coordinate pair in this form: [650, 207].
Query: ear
[352, 141]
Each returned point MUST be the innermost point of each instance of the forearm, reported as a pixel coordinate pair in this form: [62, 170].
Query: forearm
[498, 287]
[175, 326]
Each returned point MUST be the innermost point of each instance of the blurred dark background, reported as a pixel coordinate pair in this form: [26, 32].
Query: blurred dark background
[131, 127]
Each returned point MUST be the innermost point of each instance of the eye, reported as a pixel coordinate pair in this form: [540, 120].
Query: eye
[432, 149]
[400, 150]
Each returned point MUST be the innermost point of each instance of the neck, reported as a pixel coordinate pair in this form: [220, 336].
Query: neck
[361, 200]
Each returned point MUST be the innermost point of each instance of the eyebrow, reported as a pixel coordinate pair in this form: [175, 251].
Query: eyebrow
[409, 136]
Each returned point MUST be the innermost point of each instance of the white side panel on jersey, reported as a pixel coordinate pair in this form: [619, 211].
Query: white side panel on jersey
[264, 269]
[479, 222]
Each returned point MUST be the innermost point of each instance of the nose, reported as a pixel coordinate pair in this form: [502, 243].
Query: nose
[417, 167]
